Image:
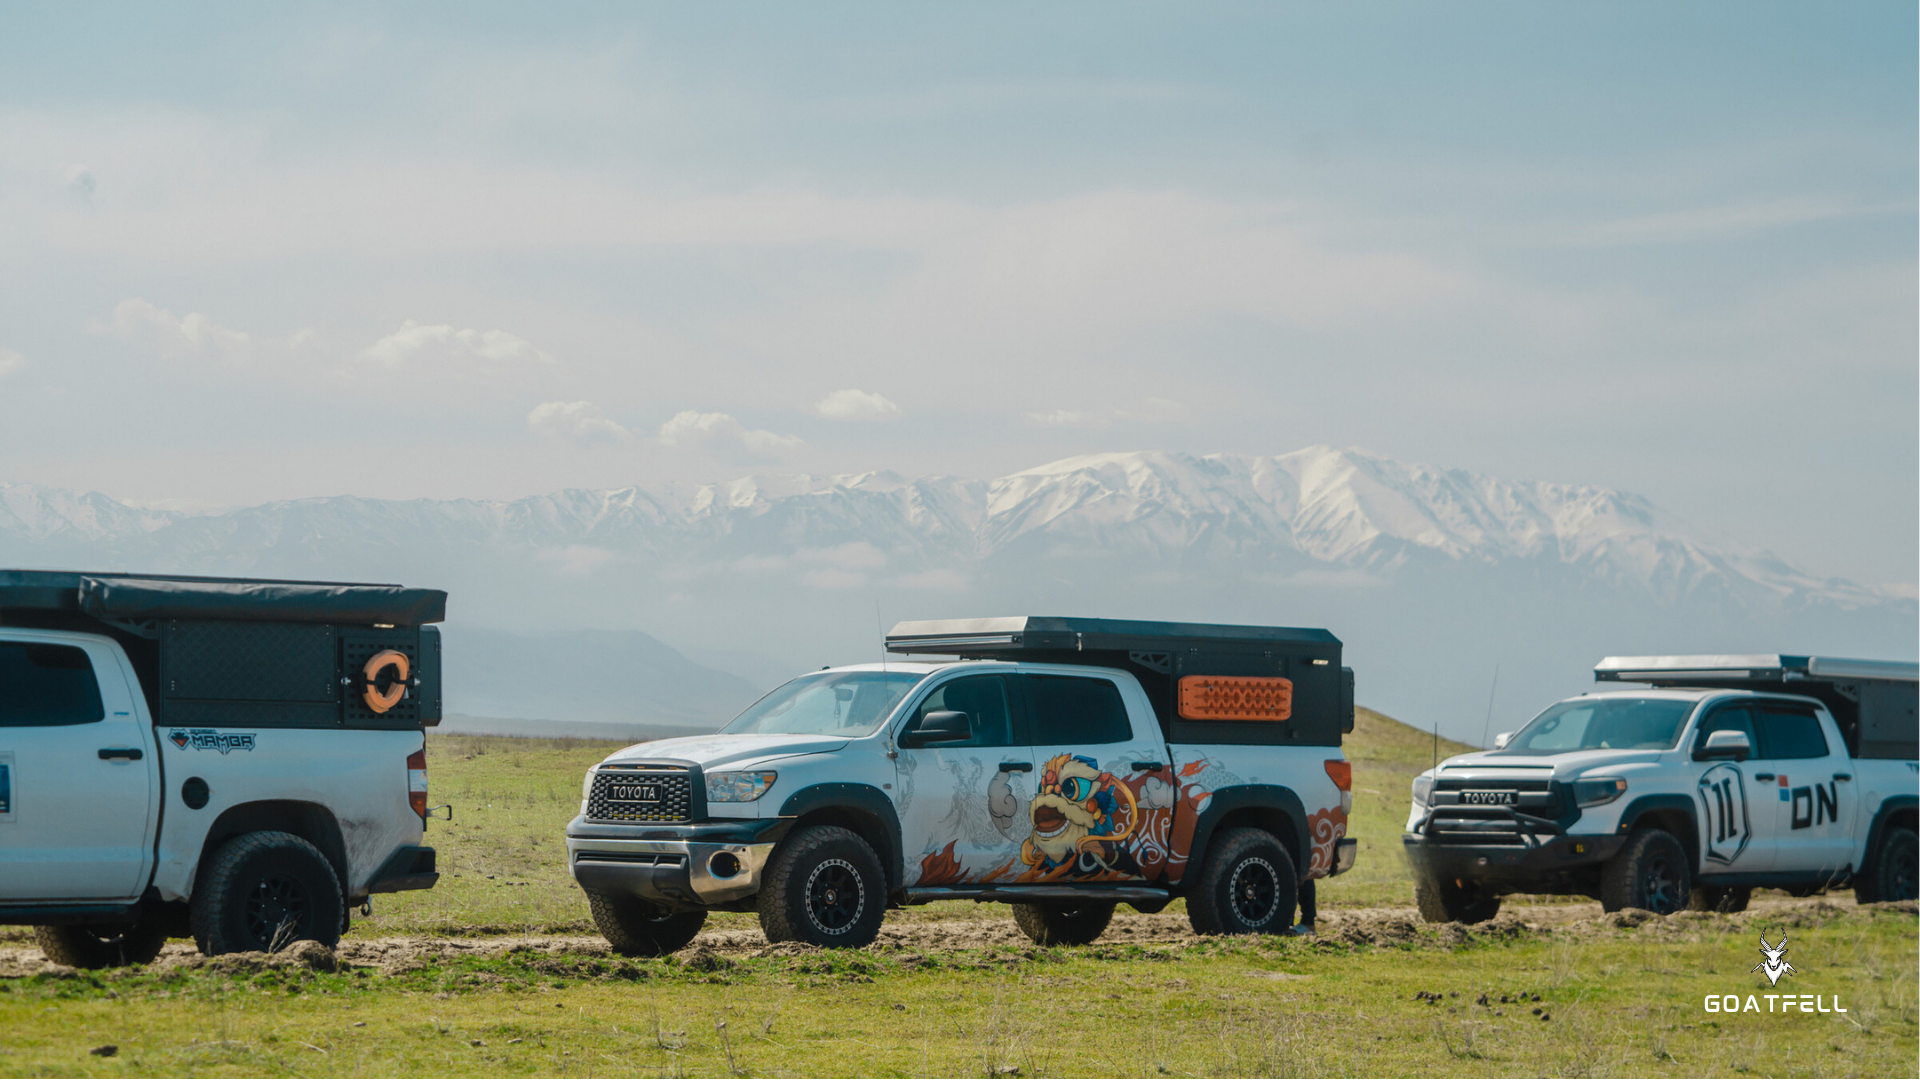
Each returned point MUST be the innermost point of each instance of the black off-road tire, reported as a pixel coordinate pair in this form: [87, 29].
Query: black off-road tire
[1063, 924]
[636, 928]
[1650, 873]
[264, 891]
[101, 946]
[1725, 899]
[1454, 901]
[1247, 886]
[1891, 871]
[824, 886]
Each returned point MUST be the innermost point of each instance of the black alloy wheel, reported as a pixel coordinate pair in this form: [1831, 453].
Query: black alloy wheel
[1255, 888]
[275, 908]
[1246, 885]
[1659, 886]
[1651, 873]
[835, 896]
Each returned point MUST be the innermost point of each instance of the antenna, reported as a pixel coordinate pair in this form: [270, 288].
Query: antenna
[880, 625]
[1436, 744]
[1488, 726]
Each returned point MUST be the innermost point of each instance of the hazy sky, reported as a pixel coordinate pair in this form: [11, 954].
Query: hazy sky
[257, 251]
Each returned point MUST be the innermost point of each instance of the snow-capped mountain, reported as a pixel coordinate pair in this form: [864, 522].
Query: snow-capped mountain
[1340, 537]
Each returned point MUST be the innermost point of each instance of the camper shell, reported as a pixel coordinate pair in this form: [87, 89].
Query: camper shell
[1876, 703]
[1159, 655]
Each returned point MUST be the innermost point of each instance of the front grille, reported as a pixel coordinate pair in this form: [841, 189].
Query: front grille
[1475, 831]
[675, 803]
[1538, 798]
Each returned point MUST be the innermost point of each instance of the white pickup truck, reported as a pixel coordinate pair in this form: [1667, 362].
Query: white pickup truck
[238, 761]
[1061, 765]
[1728, 774]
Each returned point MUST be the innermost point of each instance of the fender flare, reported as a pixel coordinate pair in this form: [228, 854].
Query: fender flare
[862, 800]
[1689, 837]
[1889, 806]
[1228, 800]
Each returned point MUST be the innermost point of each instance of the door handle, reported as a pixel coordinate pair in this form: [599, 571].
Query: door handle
[1763, 776]
[1016, 766]
[1148, 766]
[131, 753]
[1848, 777]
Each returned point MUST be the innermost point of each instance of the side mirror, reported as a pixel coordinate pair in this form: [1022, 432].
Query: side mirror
[1500, 740]
[938, 729]
[1725, 743]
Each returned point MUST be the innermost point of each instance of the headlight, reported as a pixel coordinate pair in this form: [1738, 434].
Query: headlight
[1598, 791]
[1422, 789]
[738, 786]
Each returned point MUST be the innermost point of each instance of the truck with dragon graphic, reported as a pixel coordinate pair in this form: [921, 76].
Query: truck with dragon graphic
[1061, 765]
[1725, 774]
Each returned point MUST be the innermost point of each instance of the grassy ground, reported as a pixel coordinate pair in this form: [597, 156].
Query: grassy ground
[1584, 1000]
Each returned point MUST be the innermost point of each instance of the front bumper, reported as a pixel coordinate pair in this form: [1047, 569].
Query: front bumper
[1546, 864]
[702, 864]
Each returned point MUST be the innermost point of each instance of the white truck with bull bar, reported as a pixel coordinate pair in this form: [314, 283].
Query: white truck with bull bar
[239, 761]
[1729, 773]
[1060, 765]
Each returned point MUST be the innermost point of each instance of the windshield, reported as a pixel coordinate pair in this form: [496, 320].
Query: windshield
[849, 703]
[1602, 724]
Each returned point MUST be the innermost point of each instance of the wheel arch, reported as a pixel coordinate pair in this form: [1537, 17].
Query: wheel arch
[1673, 814]
[1263, 806]
[860, 808]
[309, 821]
[1896, 812]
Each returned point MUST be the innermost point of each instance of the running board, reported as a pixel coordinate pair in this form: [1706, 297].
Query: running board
[1026, 894]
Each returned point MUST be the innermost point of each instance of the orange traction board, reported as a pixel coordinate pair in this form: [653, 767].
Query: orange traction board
[1235, 697]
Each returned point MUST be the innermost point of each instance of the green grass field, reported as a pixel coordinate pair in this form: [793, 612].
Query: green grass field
[496, 972]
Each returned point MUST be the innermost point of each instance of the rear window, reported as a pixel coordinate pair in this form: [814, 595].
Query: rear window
[1069, 709]
[1787, 735]
[47, 686]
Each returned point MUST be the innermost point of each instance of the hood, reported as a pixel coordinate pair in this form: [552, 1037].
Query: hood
[729, 751]
[1562, 766]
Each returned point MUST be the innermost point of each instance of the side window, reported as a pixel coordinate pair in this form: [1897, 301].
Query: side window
[1065, 709]
[1787, 735]
[1732, 719]
[47, 686]
[983, 698]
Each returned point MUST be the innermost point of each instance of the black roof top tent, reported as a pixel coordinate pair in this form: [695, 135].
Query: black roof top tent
[1875, 702]
[1159, 654]
[113, 596]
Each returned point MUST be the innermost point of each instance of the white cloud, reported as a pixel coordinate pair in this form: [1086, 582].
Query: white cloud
[851, 404]
[416, 341]
[940, 579]
[577, 560]
[726, 438]
[833, 579]
[1068, 418]
[853, 555]
[193, 335]
[10, 362]
[1155, 410]
[578, 422]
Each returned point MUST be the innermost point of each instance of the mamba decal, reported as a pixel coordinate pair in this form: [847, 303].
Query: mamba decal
[211, 739]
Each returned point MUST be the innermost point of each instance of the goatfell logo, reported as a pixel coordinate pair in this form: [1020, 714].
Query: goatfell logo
[1773, 965]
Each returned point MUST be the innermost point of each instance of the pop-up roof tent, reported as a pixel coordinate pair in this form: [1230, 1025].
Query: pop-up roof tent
[252, 652]
[1875, 702]
[1208, 683]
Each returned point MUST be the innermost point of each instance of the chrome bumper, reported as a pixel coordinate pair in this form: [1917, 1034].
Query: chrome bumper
[1345, 852]
[668, 871]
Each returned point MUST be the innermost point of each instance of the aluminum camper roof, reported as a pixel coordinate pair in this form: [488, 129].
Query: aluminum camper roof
[1051, 632]
[1769, 667]
[153, 596]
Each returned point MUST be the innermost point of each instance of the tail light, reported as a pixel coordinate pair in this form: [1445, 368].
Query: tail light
[1341, 773]
[417, 781]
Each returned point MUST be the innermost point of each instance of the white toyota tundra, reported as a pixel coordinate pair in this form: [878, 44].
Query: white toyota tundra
[1061, 765]
[1727, 774]
[235, 760]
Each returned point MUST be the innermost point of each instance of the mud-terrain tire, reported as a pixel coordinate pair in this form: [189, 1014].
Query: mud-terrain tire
[1725, 899]
[824, 886]
[1891, 872]
[636, 928]
[1247, 886]
[118, 945]
[1447, 901]
[1063, 924]
[1650, 873]
[266, 890]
